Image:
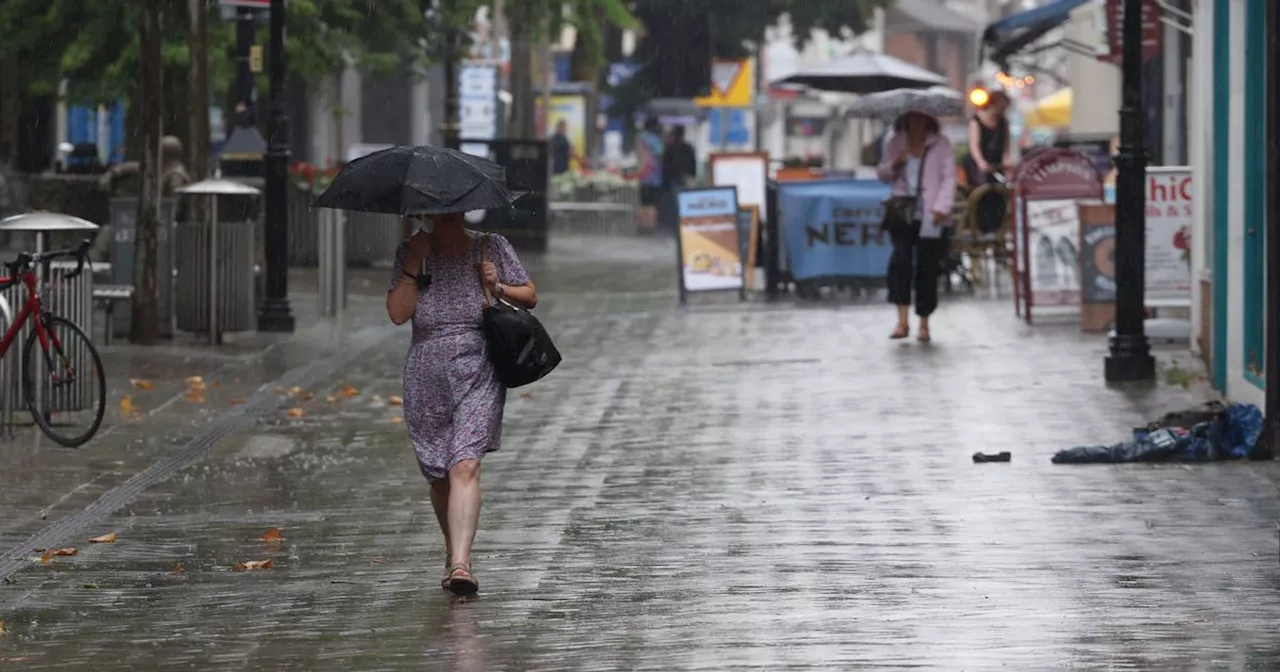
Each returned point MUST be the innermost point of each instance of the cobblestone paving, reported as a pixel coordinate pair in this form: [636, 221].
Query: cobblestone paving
[730, 487]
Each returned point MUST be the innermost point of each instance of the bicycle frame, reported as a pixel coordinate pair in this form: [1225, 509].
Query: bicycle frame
[31, 309]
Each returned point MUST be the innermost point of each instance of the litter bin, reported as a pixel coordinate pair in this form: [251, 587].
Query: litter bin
[215, 262]
[71, 299]
[124, 231]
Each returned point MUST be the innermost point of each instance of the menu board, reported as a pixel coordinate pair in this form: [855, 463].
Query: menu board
[709, 245]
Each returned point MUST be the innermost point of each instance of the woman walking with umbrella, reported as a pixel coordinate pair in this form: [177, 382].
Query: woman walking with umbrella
[920, 164]
[441, 282]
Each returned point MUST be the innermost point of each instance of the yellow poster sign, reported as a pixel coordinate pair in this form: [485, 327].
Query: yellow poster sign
[733, 84]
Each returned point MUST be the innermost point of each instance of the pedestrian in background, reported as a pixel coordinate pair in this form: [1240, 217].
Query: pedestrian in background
[649, 150]
[453, 401]
[679, 169]
[990, 143]
[562, 152]
[919, 162]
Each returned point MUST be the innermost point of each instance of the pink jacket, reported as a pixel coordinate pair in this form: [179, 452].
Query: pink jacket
[938, 183]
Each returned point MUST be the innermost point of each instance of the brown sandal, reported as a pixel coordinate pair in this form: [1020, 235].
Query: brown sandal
[900, 332]
[923, 336]
[461, 582]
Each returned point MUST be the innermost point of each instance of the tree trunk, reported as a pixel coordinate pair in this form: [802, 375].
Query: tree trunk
[522, 100]
[199, 83]
[146, 315]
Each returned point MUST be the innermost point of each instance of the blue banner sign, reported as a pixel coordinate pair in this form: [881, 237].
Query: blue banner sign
[831, 228]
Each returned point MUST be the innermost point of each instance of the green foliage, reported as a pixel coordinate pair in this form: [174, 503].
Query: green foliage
[94, 44]
[738, 26]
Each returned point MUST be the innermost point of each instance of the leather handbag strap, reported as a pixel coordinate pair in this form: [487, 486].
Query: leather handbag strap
[484, 256]
[920, 171]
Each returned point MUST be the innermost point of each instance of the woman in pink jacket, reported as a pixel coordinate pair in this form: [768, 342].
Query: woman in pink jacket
[919, 161]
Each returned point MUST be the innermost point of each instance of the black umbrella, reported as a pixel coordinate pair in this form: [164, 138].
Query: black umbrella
[865, 72]
[419, 181]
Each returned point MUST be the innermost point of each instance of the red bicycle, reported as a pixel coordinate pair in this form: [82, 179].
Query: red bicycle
[55, 386]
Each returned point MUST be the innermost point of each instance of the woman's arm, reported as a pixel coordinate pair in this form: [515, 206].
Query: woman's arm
[402, 295]
[893, 160]
[525, 296]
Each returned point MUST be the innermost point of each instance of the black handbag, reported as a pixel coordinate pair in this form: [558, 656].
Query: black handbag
[518, 346]
[900, 211]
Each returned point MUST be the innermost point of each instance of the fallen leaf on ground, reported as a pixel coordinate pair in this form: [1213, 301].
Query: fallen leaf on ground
[109, 538]
[295, 390]
[526, 394]
[194, 380]
[63, 552]
[297, 413]
[91, 586]
[1, 626]
[395, 401]
[397, 420]
[272, 534]
[198, 387]
[45, 558]
[331, 399]
[179, 569]
[127, 407]
[304, 398]
[236, 401]
[379, 561]
[195, 397]
[350, 391]
[281, 390]
[253, 564]
[141, 384]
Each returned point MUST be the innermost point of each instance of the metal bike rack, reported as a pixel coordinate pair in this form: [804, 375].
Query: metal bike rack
[71, 299]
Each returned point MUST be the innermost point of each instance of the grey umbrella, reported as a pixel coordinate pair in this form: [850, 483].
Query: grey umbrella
[938, 101]
[865, 72]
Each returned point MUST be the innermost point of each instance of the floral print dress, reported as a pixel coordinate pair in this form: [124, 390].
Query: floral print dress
[452, 398]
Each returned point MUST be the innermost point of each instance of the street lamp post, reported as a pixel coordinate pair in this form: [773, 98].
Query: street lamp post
[1130, 357]
[274, 314]
[450, 65]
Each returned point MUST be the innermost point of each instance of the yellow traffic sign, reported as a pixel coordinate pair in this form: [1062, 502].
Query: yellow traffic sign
[733, 84]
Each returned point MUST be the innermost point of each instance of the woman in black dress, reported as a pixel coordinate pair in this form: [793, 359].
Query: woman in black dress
[989, 140]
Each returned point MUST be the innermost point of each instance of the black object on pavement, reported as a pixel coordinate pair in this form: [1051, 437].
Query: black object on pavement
[422, 180]
[992, 457]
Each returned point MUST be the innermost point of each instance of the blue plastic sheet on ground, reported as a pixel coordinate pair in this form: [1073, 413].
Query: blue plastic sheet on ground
[831, 228]
[1230, 435]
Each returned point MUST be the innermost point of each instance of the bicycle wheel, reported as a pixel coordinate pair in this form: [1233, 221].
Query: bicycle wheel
[63, 382]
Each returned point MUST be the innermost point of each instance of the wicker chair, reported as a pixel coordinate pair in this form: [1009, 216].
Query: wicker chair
[973, 207]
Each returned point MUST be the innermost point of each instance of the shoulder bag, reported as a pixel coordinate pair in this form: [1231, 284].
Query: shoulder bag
[519, 347]
[900, 211]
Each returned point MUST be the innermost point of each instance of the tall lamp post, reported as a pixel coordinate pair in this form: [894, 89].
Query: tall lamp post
[450, 65]
[1129, 359]
[275, 314]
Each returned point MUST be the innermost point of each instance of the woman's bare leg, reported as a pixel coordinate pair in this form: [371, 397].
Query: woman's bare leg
[440, 504]
[463, 510]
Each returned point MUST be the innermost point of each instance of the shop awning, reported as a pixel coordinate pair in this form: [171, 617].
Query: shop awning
[1053, 14]
[1052, 111]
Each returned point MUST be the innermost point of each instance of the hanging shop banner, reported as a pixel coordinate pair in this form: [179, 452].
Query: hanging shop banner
[748, 173]
[710, 252]
[1168, 249]
[831, 228]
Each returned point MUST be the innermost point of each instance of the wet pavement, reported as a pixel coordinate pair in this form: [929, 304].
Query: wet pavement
[721, 487]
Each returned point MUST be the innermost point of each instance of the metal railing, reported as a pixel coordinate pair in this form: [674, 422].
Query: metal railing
[585, 205]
